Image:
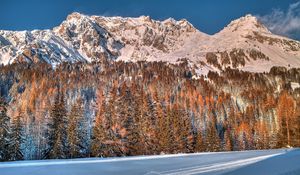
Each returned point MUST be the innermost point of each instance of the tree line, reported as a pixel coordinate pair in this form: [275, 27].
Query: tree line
[126, 109]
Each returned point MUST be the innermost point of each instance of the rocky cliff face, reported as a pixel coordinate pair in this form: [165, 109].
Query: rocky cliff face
[244, 44]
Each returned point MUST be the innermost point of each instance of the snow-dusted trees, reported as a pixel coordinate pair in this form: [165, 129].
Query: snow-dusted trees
[57, 129]
[147, 117]
[165, 135]
[145, 108]
[182, 131]
[11, 135]
[130, 117]
[76, 131]
[99, 137]
[17, 138]
[98, 146]
[162, 129]
[5, 146]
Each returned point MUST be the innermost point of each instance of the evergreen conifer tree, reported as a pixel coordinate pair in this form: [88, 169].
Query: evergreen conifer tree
[4, 132]
[75, 134]
[16, 138]
[57, 127]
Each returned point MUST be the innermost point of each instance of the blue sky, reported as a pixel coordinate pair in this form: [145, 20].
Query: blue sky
[209, 16]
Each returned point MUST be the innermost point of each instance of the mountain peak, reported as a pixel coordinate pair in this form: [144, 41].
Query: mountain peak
[248, 23]
[75, 15]
[75, 18]
[247, 19]
[182, 23]
[145, 18]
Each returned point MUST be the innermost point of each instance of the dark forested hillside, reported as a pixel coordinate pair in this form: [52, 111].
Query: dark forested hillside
[121, 109]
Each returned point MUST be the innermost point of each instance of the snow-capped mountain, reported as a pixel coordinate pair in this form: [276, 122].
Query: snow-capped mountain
[245, 43]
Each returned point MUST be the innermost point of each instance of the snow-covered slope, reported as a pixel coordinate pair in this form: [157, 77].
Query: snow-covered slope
[275, 162]
[35, 46]
[245, 43]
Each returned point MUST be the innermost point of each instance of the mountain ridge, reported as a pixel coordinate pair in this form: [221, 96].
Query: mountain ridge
[245, 43]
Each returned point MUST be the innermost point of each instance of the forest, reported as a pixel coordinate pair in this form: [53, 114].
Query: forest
[108, 109]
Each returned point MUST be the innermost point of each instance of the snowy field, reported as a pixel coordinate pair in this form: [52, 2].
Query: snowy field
[265, 162]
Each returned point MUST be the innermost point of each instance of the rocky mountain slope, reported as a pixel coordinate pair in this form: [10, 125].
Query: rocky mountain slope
[245, 43]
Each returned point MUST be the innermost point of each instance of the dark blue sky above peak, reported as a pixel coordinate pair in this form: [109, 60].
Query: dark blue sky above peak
[208, 16]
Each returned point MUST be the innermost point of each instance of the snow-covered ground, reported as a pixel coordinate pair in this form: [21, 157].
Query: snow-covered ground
[275, 162]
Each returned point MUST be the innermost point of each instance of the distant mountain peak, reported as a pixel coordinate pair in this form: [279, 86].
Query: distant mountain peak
[145, 18]
[245, 24]
[75, 15]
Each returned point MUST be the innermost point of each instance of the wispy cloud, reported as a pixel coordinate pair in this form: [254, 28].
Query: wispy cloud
[284, 22]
